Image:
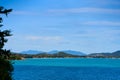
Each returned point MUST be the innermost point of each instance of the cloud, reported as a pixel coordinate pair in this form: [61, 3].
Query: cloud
[44, 38]
[103, 23]
[99, 34]
[85, 10]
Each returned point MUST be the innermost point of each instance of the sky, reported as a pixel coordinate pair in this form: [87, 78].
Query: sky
[88, 26]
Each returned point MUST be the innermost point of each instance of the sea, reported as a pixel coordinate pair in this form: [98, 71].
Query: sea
[66, 69]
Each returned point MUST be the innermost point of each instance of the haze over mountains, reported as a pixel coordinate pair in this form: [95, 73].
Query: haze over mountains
[63, 54]
[53, 52]
[31, 52]
[116, 53]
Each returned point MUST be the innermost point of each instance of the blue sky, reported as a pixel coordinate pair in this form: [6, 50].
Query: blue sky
[84, 25]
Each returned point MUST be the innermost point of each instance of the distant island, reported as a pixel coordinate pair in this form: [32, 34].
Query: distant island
[20, 56]
[63, 54]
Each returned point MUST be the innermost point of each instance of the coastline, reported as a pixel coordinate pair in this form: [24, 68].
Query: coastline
[69, 58]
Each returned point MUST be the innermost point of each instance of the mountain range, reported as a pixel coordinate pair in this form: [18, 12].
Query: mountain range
[107, 54]
[53, 52]
[113, 54]
[62, 54]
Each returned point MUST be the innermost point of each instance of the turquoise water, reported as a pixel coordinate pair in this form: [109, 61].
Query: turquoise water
[67, 69]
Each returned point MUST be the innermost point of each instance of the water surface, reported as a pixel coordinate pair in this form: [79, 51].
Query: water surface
[67, 69]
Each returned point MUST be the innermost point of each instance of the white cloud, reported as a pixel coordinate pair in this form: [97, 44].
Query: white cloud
[32, 37]
[84, 10]
[44, 38]
[103, 23]
[99, 34]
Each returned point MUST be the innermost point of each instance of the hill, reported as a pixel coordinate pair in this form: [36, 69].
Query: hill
[42, 55]
[67, 51]
[115, 54]
[64, 54]
[53, 52]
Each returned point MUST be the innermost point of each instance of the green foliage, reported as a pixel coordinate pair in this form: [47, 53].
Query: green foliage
[5, 69]
[18, 56]
[6, 66]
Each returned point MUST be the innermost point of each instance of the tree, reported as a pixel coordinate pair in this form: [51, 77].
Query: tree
[6, 66]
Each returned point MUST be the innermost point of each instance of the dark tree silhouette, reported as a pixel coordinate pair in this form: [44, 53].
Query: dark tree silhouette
[6, 66]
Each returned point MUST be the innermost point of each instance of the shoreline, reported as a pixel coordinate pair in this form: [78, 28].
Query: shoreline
[70, 58]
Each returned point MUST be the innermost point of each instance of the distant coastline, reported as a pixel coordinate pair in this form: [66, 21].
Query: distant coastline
[19, 56]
